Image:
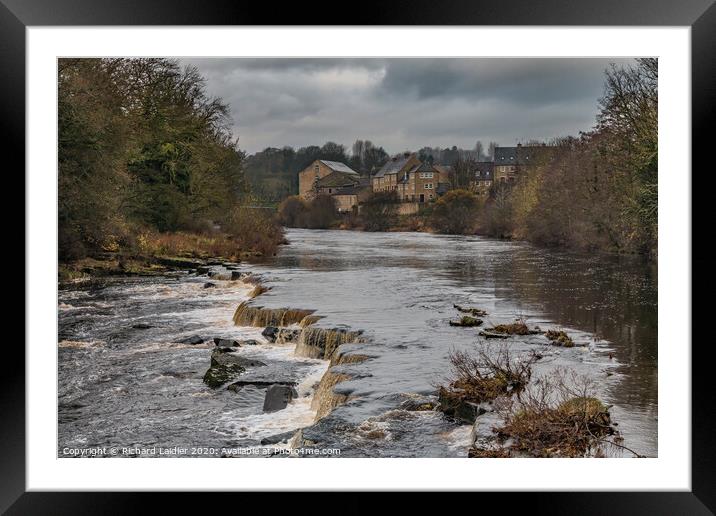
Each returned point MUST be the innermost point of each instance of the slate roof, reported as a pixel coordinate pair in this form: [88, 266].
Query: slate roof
[350, 190]
[337, 179]
[424, 167]
[393, 166]
[520, 155]
[484, 170]
[337, 166]
[444, 169]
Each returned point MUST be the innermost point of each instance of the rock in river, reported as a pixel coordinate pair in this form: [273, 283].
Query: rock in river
[226, 343]
[278, 438]
[191, 339]
[270, 332]
[281, 335]
[278, 397]
[220, 342]
[227, 365]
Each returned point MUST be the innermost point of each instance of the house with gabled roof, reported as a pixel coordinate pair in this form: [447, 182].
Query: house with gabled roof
[484, 175]
[419, 184]
[386, 179]
[510, 161]
[323, 176]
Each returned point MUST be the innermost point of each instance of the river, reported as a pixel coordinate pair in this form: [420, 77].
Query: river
[125, 382]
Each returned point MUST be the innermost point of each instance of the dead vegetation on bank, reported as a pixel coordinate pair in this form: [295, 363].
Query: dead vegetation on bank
[519, 327]
[476, 379]
[466, 321]
[556, 416]
[559, 338]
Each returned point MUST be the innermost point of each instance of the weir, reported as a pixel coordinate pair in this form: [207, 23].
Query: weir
[320, 343]
[323, 342]
[258, 316]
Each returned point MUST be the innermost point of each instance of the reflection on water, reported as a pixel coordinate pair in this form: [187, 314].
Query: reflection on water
[400, 288]
[128, 385]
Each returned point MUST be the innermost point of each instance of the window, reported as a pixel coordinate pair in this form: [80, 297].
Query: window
[426, 175]
[428, 186]
[316, 169]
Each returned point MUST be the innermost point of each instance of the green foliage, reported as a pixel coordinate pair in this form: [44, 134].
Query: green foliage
[140, 143]
[455, 213]
[273, 172]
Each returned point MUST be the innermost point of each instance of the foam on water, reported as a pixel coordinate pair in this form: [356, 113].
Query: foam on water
[142, 387]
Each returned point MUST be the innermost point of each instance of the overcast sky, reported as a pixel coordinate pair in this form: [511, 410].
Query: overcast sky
[405, 104]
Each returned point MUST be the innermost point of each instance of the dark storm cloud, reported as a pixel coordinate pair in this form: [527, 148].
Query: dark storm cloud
[405, 103]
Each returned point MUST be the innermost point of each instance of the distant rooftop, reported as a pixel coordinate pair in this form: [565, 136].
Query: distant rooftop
[484, 169]
[337, 179]
[425, 167]
[351, 190]
[338, 166]
[393, 166]
[520, 155]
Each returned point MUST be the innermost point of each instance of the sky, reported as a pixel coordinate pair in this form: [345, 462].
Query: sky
[405, 104]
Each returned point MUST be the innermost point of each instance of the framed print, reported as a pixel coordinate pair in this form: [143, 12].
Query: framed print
[416, 252]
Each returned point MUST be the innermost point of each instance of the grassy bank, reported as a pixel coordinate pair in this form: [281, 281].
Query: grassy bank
[151, 252]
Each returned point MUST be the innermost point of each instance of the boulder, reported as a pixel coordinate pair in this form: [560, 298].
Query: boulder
[270, 333]
[459, 408]
[221, 342]
[218, 375]
[226, 366]
[209, 284]
[235, 275]
[278, 397]
[286, 335]
[142, 326]
[278, 438]
[259, 384]
[193, 340]
[226, 343]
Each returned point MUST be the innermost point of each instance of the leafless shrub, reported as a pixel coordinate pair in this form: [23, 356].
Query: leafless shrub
[558, 416]
[485, 376]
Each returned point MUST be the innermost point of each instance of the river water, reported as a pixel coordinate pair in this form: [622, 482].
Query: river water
[126, 386]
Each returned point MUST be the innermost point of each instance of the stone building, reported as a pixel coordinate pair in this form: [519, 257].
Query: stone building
[386, 179]
[317, 176]
[510, 161]
[347, 199]
[484, 175]
[419, 184]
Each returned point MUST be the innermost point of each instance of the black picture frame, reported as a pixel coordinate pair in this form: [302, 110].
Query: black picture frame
[700, 15]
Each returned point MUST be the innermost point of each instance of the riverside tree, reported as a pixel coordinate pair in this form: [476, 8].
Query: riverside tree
[140, 144]
[599, 190]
